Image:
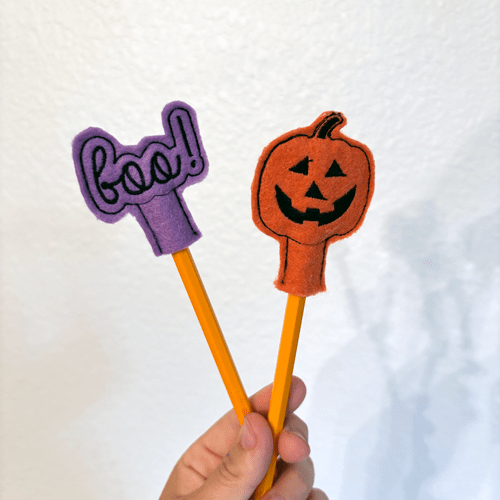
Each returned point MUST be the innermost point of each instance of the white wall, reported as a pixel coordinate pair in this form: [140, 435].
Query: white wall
[106, 377]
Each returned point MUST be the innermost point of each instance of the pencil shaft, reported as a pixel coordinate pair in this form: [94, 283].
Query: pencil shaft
[210, 326]
[282, 381]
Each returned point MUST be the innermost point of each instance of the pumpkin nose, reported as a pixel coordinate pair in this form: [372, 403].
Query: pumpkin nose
[314, 192]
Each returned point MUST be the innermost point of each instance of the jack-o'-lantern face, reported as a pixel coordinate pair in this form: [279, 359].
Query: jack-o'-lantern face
[313, 184]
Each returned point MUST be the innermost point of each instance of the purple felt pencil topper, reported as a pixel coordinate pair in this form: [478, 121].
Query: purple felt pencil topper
[145, 180]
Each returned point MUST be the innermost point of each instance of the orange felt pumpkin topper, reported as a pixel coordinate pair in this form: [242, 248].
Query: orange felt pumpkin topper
[312, 186]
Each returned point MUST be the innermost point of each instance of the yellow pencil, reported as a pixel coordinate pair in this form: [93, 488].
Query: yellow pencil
[282, 381]
[210, 326]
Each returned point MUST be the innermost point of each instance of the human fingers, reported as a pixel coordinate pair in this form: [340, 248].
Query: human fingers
[220, 437]
[317, 494]
[260, 400]
[294, 481]
[241, 470]
[293, 440]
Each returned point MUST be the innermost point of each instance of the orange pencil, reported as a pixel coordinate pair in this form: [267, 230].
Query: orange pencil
[312, 187]
[282, 381]
[210, 326]
[147, 180]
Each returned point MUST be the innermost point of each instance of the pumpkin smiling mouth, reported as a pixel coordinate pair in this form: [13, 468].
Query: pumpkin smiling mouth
[340, 207]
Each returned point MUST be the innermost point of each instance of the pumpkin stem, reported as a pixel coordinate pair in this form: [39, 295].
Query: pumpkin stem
[330, 122]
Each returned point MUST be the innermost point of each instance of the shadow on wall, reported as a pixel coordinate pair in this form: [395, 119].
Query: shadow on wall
[416, 394]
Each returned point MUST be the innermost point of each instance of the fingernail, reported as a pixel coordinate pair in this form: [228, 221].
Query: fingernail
[299, 434]
[248, 437]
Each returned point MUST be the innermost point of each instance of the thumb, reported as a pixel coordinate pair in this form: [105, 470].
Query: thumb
[245, 465]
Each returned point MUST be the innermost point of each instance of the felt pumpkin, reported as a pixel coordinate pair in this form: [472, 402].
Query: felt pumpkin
[312, 186]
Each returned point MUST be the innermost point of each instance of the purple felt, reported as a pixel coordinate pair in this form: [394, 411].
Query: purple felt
[146, 180]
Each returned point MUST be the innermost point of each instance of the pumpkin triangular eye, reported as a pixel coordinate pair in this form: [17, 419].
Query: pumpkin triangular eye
[335, 170]
[302, 167]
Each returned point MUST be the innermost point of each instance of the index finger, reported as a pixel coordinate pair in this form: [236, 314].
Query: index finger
[260, 400]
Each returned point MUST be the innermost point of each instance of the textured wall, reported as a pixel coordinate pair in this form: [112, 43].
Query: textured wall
[106, 377]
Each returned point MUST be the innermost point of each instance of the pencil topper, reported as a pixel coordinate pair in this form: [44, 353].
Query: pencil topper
[145, 180]
[312, 186]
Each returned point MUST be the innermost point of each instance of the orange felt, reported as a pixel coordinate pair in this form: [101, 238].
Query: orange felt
[312, 186]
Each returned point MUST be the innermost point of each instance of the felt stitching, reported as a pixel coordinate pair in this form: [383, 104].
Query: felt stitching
[121, 177]
[323, 260]
[181, 203]
[154, 178]
[327, 125]
[311, 136]
[314, 214]
[286, 262]
[261, 173]
[302, 167]
[150, 228]
[187, 142]
[280, 203]
[335, 170]
[314, 192]
[116, 179]
[183, 132]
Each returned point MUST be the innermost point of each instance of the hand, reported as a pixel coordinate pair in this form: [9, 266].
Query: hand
[229, 461]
